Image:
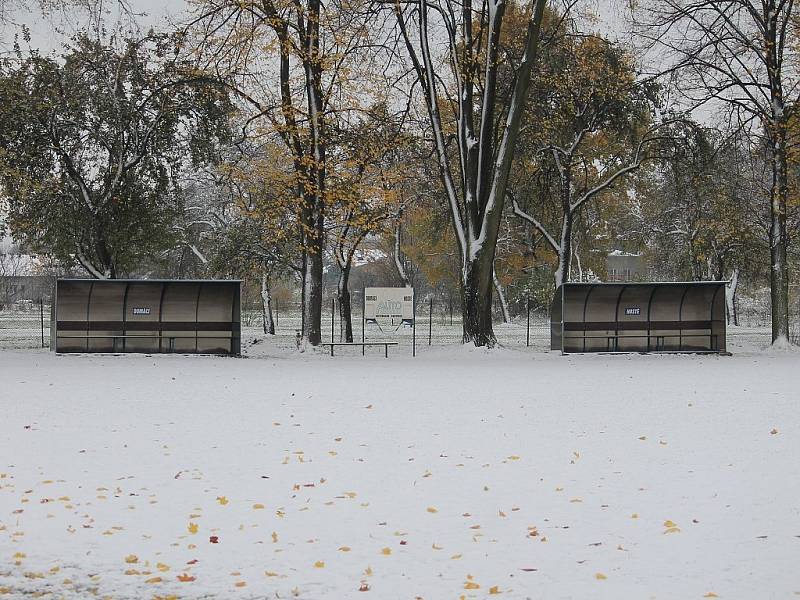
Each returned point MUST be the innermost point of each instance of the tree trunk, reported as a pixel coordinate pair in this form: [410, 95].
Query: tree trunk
[501, 296]
[398, 258]
[779, 271]
[476, 301]
[730, 298]
[312, 285]
[564, 250]
[266, 305]
[343, 297]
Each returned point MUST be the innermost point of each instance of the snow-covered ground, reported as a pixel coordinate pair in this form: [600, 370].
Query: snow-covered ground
[460, 473]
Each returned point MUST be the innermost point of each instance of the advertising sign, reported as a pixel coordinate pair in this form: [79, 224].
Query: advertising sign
[393, 305]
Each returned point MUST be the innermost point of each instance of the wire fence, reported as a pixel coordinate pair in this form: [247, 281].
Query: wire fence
[436, 324]
[26, 325]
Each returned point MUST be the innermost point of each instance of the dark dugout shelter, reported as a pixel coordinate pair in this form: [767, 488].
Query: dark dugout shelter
[639, 317]
[150, 316]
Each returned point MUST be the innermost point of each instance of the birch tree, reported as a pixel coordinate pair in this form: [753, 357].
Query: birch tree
[741, 55]
[469, 104]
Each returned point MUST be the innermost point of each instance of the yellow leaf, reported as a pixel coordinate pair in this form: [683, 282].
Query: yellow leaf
[710, 595]
[669, 523]
[456, 556]
[495, 590]
[600, 576]
[344, 548]
[471, 585]
[258, 506]
[635, 516]
[240, 584]
[132, 572]
[368, 571]
[270, 574]
[319, 564]
[673, 530]
[431, 509]
[162, 567]
[274, 537]
[386, 551]
[513, 457]
[193, 528]
[436, 547]
[131, 559]
[154, 580]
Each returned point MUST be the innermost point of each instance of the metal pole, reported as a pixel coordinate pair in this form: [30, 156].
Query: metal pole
[430, 322]
[528, 336]
[363, 320]
[276, 316]
[414, 325]
[41, 314]
[451, 311]
[333, 315]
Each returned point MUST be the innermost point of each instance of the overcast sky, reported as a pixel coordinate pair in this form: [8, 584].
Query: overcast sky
[159, 13]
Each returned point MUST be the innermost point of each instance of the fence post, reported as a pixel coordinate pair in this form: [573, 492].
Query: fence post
[430, 322]
[276, 316]
[528, 334]
[333, 314]
[451, 311]
[41, 315]
[363, 320]
[413, 324]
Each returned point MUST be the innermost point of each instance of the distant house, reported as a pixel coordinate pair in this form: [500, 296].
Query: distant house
[20, 280]
[24, 288]
[625, 266]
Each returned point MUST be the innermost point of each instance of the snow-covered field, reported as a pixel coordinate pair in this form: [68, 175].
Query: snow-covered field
[457, 474]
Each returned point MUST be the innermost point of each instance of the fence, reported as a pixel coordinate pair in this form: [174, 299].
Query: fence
[25, 324]
[438, 323]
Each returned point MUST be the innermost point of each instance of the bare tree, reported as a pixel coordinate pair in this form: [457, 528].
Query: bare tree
[486, 126]
[742, 54]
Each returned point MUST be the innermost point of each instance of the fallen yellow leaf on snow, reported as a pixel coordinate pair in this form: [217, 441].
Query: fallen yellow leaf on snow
[240, 584]
[162, 567]
[495, 590]
[431, 509]
[600, 576]
[154, 580]
[193, 527]
[471, 585]
[131, 559]
[222, 500]
[710, 595]
[320, 564]
[344, 548]
[386, 551]
[258, 506]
